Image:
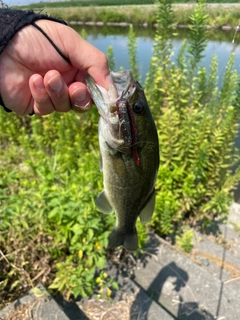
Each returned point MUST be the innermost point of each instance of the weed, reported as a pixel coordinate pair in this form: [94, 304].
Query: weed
[196, 123]
[185, 240]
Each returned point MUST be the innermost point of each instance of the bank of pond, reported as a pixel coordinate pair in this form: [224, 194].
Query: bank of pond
[219, 15]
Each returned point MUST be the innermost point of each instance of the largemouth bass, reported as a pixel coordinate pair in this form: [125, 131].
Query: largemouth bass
[129, 156]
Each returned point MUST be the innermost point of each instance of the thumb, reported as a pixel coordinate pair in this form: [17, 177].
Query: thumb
[87, 58]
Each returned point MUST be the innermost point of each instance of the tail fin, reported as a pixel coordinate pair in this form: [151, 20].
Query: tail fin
[128, 241]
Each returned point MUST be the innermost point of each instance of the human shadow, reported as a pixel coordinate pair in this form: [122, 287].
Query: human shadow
[192, 311]
[167, 287]
[186, 310]
[155, 289]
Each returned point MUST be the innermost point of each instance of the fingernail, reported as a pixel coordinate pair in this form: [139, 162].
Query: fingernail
[108, 80]
[38, 83]
[112, 93]
[85, 107]
[55, 83]
[78, 96]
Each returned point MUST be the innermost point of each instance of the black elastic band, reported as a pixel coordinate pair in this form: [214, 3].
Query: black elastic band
[52, 43]
[3, 105]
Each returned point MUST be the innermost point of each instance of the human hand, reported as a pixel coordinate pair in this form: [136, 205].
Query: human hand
[34, 76]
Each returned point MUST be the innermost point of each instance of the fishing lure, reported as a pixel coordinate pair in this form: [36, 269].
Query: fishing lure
[128, 127]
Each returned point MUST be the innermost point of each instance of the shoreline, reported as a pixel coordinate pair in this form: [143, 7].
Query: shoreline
[221, 16]
[145, 25]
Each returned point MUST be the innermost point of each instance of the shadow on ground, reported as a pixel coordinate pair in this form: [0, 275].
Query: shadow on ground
[71, 309]
[178, 277]
[186, 309]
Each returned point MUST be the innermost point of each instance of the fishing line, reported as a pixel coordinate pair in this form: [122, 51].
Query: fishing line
[235, 34]
[234, 46]
[221, 272]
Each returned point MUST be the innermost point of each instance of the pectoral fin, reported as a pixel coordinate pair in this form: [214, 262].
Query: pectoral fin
[102, 203]
[147, 211]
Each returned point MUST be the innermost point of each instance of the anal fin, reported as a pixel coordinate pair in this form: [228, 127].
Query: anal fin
[147, 211]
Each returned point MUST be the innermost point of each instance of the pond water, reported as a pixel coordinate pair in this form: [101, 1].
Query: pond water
[219, 43]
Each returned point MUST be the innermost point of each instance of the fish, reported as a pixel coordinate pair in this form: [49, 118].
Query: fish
[129, 155]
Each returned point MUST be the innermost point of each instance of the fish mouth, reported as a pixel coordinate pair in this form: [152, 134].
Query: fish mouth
[123, 87]
[113, 105]
[124, 84]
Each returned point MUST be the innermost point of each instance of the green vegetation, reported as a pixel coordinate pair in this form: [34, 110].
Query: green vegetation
[89, 3]
[134, 12]
[100, 3]
[197, 123]
[49, 179]
[50, 230]
[132, 50]
[185, 241]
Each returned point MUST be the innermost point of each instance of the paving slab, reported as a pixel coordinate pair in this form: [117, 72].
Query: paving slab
[182, 287]
[37, 304]
[217, 259]
[218, 252]
[234, 213]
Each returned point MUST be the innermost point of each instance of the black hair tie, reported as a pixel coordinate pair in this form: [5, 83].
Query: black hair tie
[8, 110]
[3, 105]
[52, 43]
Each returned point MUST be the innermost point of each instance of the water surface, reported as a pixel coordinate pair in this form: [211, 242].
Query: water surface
[220, 43]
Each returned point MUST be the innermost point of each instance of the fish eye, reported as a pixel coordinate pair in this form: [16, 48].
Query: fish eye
[138, 107]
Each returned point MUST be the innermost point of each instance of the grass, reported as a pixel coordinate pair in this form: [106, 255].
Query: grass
[101, 3]
[132, 15]
[89, 3]
[75, 11]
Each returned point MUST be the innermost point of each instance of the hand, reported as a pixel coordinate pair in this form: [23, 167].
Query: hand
[34, 76]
